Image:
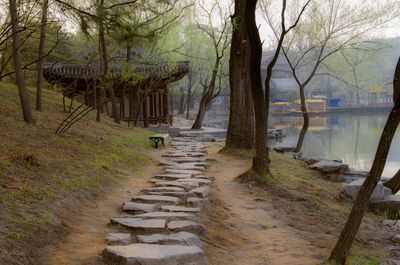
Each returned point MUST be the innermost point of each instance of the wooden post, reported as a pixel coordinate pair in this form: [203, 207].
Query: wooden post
[145, 113]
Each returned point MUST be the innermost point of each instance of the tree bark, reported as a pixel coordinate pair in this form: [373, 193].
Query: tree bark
[182, 102]
[104, 63]
[260, 160]
[306, 121]
[23, 92]
[42, 43]
[241, 112]
[208, 96]
[342, 248]
[189, 94]
[393, 183]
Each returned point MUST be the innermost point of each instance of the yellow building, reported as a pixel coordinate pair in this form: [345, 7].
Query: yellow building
[377, 96]
[312, 105]
[281, 107]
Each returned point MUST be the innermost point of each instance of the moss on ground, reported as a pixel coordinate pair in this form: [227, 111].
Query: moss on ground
[41, 172]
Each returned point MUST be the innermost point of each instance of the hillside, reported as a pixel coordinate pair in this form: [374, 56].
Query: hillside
[44, 176]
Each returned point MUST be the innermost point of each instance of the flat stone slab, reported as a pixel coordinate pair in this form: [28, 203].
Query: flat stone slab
[183, 172]
[188, 226]
[180, 238]
[169, 216]
[163, 189]
[140, 207]
[118, 239]
[154, 254]
[189, 159]
[204, 177]
[185, 166]
[139, 223]
[179, 194]
[157, 199]
[330, 166]
[167, 163]
[169, 208]
[184, 185]
[170, 175]
[202, 192]
[201, 182]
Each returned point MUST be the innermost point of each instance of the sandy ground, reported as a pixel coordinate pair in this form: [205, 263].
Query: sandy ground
[244, 227]
[86, 240]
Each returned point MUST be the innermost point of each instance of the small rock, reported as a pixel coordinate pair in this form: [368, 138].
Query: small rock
[188, 226]
[329, 166]
[202, 192]
[118, 239]
[197, 202]
[396, 239]
[389, 223]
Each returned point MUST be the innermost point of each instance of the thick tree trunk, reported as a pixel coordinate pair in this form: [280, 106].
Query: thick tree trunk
[42, 43]
[104, 63]
[241, 113]
[260, 160]
[354, 220]
[394, 183]
[23, 93]
[306, 120]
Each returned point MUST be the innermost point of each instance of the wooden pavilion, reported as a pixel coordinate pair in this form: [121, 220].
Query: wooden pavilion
[141, 89]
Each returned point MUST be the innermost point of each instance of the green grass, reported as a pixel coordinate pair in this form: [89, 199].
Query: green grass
[40, 171]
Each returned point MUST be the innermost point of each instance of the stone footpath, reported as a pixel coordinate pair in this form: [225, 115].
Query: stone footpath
[160, 226]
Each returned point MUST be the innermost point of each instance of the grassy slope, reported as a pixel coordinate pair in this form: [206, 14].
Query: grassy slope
[313, 201]
[43, 174]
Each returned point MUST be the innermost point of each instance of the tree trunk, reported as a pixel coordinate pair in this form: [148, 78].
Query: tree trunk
[181, 109]
[189, 94]
[42, 43]
[394, 183]
[200, 114]
[260, 160]
[306, 120]
[23, 93]
[241, 113]
[104, 63]
[354, 220]
[208, 96]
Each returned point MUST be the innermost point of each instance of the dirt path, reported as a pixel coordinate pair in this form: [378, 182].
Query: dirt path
[87, 238]
[243, 226]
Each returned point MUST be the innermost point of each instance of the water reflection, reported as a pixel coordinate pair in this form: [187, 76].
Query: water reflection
[352, 138]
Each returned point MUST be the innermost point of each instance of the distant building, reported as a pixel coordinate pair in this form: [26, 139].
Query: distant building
[377, 96]
[312, 105]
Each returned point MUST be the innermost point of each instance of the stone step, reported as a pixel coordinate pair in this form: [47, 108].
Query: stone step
[185, 166]
[148, 225]
[169, 216]
[154, 254]
[169, 208]
[183, 172]
[184, 185]
[157, 199]
[204, 177]
[202, 182]
[163, 189]
[187, 226]
[140, 207]
[180, 238]
[168, 175]
[189, 159]
[118, 239]
[179, 194]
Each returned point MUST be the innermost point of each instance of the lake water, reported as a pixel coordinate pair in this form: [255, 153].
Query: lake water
[350, 137]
